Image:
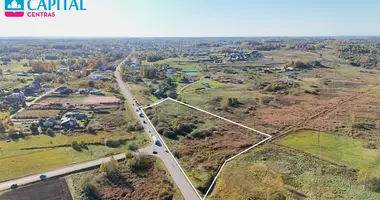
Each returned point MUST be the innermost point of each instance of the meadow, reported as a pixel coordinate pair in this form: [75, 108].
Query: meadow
[334, 148]
[17, 162]
[271, 169]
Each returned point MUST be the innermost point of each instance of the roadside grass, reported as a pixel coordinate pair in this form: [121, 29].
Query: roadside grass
[32, 163]
[271, 168]
[26, 162]
[141, 97]
[337, 149]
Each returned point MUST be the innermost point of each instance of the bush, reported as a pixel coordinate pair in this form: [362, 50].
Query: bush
[113, 143]
[91, 130]
[169, 134]
[50, 132]
[140, 163]
[374, 184]
[34, 128]
[76, 146]
[132, 147]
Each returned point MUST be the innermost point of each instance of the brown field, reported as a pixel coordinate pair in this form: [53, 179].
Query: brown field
[151, 182]
[201, 156]
[54, 189]
[84, 100]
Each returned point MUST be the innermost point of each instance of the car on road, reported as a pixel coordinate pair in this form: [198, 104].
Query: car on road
[142, 116]
[166, 151]
[43, 176]
[144, 122]
[133, 104]
[154, 152]
[14, 186]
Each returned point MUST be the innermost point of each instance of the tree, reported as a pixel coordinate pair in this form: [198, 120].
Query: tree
[172, 94]
[91, 84]
[132, 147]
[76, 146]
[34, 128]
[50, 132]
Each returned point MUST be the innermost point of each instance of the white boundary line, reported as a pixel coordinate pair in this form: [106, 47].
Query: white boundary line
[219, 171]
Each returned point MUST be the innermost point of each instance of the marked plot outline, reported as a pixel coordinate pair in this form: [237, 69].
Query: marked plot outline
[217, 116]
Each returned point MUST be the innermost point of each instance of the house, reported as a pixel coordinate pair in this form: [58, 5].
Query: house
[96, 92]
[207, 85]
[158, 93]
[236, 81]
[69, 123]
[76, 115]
[95, 77]
[22, 74]
[15, 97]
[62, 89]
[292, 76]
[169, 71]
[154, 81]
[48, 122]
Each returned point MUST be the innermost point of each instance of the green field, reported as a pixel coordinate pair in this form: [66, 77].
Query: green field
[14, 67]
[199, 85]
[336, 149]
[271, 168]
[186, 64]
[19, 162]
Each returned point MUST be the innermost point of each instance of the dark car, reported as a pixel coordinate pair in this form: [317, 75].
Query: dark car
[144, 122]
[43, 176]
[14, 186]
[154, 152]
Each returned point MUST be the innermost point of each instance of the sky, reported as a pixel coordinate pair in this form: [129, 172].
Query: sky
[203, 18]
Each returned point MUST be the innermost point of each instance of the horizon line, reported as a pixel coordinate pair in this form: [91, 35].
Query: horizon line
[134, 37]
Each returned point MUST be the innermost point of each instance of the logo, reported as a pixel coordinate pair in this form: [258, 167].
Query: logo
[14, 8]
[41, 8]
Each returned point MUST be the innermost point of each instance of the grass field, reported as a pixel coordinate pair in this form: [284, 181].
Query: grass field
[25, 162]
[199, 85]
[336, 149]
[14, 67]
[271, 168]
[185, 63]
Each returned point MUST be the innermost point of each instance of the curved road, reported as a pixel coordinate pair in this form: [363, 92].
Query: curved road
[187, 190]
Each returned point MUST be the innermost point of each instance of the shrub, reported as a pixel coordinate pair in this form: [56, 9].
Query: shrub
[91, 130]
[132, 147]
[113, 143]
[140, 163]
[76, 146]
[169, 134]
[50, 132]
[34, 128]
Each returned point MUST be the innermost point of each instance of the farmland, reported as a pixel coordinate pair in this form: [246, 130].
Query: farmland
[200, 142]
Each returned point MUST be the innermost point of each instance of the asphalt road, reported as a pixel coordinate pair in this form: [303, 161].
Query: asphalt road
[59, 172]
[179, 178]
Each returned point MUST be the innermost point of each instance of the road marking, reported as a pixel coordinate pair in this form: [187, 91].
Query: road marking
[233, 157]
